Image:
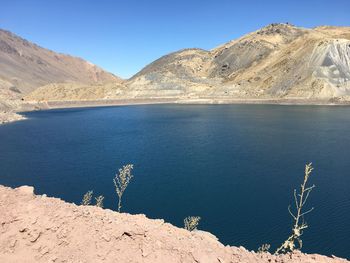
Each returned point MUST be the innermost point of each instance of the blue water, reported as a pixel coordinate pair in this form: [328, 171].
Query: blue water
[234, 165]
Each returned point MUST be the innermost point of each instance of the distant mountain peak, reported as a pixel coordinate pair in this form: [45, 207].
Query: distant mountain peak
[26, 66]
[278, 60]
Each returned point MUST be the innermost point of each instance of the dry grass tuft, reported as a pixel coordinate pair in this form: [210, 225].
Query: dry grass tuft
[264, 248]
[191, 222]
[87, 198]
[99, 201]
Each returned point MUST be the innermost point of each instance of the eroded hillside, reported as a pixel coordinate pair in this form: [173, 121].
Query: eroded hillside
[277, 61]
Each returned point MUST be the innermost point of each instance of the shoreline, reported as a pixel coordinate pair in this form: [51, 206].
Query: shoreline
[7, 117]
[28, 106]
[185, 101]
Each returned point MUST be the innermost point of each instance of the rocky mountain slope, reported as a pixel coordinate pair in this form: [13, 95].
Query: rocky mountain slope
[278, 61]
[77, 92]
[37, 228]
[25, 66]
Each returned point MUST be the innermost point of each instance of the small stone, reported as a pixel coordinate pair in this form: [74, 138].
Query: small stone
[13, 243]
[53, 259]
[106, 238]
[34, 237]
[23, 229]
[45, 250]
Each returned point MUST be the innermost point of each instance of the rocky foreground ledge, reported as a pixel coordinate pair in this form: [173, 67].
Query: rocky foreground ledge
[37, 228]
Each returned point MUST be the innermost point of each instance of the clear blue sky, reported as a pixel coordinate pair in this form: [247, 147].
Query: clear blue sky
[124, 36]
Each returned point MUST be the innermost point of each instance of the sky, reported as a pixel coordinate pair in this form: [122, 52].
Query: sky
[124, 36]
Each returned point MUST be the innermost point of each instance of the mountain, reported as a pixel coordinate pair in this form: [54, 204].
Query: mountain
[278, 61]
[25, 66]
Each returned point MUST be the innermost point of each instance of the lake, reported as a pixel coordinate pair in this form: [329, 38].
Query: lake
[234, 165]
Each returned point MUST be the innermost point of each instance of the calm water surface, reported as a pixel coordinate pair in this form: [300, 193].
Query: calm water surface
[234, 165]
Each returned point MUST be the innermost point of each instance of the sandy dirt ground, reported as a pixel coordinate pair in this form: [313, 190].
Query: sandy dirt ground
[37, 228]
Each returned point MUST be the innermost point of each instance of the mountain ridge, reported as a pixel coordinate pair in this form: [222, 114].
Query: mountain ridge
[279, 62]
[272, 62]
[25, 66]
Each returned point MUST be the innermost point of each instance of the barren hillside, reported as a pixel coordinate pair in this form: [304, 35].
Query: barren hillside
[277, 61]
[25, 66]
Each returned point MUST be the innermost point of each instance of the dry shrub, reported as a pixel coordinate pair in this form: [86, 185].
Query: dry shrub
[99, 201]
[121, 181]
[191, 222]
[264, 248]
[294, 240]
[87, 198]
